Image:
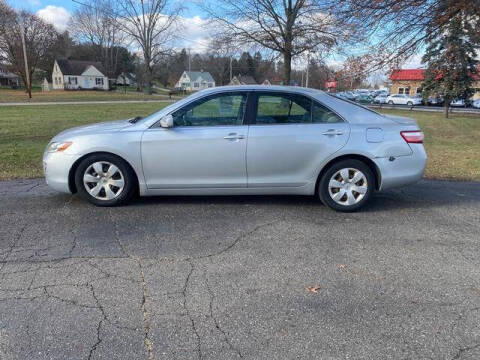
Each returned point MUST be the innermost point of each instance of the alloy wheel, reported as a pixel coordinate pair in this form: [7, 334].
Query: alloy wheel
[348, 186]
[103, 180]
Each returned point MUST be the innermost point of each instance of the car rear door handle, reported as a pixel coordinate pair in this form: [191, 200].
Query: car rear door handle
[234, 136]
[332, 132]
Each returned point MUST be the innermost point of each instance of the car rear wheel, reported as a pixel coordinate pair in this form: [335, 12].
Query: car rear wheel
[105, 180]
[409, 103]
[390, 102]
[347, 185]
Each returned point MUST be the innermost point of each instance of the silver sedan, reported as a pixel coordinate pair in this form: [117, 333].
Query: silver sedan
[241, 140]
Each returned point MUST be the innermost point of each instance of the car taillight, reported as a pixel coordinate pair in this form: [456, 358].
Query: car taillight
[413, 137]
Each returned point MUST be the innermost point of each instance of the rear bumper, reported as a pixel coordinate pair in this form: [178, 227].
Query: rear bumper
[56, 168]
[403, 170]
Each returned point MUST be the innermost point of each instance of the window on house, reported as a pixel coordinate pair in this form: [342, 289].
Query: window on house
[99, 81]
[210, 84]
[419, 90]
[196, 84]
[400, 90]
[72, 80]
[407, 91]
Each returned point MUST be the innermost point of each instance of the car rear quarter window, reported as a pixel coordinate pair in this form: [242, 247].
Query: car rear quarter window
[323, 115]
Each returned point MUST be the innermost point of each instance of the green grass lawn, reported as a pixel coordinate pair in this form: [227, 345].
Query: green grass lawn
[8, 95]
[26, 130]
[453, 145]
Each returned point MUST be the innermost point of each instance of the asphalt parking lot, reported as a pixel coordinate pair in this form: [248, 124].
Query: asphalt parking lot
[227, 277]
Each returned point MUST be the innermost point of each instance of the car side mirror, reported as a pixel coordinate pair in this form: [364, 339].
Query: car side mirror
[166, 121]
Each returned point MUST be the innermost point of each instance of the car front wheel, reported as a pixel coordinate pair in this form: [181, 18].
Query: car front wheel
[390, 102]
[105, 180]
[409, 103]
[347, 185]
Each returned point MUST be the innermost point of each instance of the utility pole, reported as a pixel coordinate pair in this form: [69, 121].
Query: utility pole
[308, 65]
[27, 74]
[230, 68]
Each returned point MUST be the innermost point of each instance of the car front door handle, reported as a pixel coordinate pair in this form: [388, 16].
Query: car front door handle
[233, 136]
[332, 132]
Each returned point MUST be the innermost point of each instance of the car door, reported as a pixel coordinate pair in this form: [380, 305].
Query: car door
[205, 148]
[290, 137]
[401, 99]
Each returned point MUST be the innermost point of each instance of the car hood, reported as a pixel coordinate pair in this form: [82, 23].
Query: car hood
[402, 120]
[107, 126]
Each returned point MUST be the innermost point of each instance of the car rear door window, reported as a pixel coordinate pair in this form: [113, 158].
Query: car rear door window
[283, 109]
[216, 110]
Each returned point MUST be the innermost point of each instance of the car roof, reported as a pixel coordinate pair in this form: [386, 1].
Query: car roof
[350, 111]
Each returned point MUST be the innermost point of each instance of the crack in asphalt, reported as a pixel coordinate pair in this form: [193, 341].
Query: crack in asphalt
[10, 250]
[146, 324]
[463, 350]
[187, 310]
[99, 326]
[216, 322]
[237, 240]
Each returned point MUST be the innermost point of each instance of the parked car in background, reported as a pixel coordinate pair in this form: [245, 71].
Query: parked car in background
[419, 97]
[402, 99]
[349, 95]
[364, 99]
[476, 104]
[458, 103]
[435, 101]
[207, 143]
[380, 99]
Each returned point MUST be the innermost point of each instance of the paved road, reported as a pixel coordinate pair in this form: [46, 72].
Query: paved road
[226, 278]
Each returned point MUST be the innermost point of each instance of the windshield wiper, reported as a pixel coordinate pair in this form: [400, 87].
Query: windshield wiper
[135, 119]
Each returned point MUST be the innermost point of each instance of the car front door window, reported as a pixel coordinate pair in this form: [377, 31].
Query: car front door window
[216, 110]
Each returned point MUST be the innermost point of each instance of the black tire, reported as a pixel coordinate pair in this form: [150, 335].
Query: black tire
[323, 185]
[409, 103]
[129, 177]
[390, 102]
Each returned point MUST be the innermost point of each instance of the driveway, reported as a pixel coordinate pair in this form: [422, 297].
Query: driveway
[227, 277]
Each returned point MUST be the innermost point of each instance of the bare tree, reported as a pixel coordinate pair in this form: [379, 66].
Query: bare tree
[150, 24]
[94, 21]
[39, 38]
[401, 28]
[287, 27]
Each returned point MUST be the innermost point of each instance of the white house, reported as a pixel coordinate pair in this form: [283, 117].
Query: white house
[195, 80]
[7, 78]
[74, 74]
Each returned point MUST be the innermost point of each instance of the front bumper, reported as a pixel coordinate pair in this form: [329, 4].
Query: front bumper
[403, 170]
[56, 168]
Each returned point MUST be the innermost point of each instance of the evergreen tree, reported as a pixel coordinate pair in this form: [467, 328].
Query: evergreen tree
[450, 57]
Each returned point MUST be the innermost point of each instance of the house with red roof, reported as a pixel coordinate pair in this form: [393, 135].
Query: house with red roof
[409, 82]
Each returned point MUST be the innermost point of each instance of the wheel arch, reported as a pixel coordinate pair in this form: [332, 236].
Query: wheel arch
[367, 161]
[73, 169]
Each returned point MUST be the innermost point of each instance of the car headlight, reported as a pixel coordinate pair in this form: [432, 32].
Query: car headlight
[58, 146]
